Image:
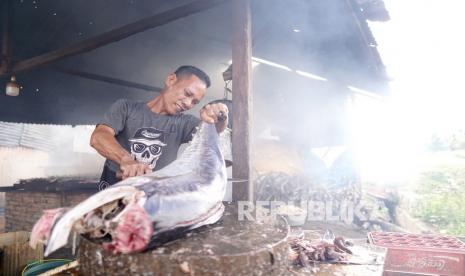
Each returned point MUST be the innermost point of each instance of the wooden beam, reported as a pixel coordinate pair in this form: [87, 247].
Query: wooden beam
[5, 58]
[242, 99]
[115, 35]
[111, 80]
[364, 41]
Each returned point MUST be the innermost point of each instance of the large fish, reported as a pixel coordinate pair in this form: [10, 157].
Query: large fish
[186, 194]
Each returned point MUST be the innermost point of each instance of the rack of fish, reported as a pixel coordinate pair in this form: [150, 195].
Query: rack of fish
[304, 252]
[128, 216]
[297, 187]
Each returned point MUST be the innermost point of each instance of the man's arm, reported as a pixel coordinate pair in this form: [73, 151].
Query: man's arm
[103, 140]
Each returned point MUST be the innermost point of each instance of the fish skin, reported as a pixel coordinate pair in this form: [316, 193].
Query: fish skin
[189, 186]
[187, 193]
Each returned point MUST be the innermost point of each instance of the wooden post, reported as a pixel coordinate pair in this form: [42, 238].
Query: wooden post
[242, 99]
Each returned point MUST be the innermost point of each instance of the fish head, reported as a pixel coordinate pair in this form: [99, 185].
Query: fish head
[65, 225]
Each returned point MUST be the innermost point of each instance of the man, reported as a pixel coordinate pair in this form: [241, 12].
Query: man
[138, 138]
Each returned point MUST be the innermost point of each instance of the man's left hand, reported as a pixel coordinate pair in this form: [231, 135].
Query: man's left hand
[211, 113]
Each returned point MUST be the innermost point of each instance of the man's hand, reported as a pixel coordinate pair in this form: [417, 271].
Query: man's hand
[104, 141]
[130, 167]
[217, 114]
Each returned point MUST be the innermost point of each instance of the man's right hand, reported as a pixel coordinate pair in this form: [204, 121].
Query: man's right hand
[130, 167]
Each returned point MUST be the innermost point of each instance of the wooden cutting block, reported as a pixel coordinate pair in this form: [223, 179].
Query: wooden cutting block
[229, 247]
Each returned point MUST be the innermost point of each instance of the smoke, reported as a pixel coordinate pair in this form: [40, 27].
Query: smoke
[307, 54]
[301, 102]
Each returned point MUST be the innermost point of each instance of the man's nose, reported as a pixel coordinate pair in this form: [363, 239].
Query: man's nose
[187, 104]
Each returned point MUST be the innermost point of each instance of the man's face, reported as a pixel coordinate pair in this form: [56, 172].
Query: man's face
[183, 93]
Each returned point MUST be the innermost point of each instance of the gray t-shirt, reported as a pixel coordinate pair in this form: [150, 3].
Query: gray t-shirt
[151, 138]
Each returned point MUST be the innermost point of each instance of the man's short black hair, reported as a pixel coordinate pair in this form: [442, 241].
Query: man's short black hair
[189, 70]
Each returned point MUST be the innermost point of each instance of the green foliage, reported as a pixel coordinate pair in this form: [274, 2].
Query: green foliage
[452, 141]
[442, 199]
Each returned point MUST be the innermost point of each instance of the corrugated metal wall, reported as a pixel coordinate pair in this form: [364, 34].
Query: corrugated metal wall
[10, 134]
[21, 163]
[33, 150]
[26, 135]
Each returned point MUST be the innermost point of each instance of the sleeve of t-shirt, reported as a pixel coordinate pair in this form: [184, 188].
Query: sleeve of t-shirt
[190, 125]
[116, 116]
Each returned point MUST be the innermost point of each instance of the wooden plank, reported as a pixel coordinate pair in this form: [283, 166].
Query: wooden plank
[66, 269]
[107, 79]
[6, 42]
[242, 98]
[12, 237]
[55, 185]
[115, 35]
[7, 189]
[17, 253]
[364, 41]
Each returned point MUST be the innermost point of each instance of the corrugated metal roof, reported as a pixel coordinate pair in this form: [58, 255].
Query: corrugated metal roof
[26, 135]
[38, 137]
[10, 134]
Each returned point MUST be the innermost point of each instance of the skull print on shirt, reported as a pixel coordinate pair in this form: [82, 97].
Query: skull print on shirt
[147, 145]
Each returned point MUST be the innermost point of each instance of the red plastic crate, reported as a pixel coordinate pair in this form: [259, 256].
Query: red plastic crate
[421, 254]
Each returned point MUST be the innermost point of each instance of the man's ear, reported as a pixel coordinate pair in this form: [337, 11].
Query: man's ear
[170, 80]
